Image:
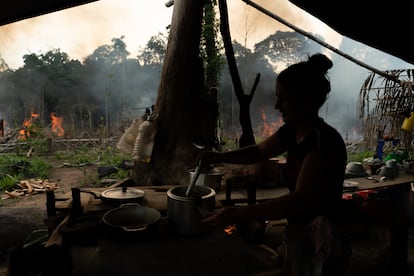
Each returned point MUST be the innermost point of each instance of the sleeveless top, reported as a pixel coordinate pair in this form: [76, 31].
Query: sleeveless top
[323, 137]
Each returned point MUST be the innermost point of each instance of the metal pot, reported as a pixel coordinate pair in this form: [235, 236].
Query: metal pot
[209, 179]
[186, 212]
[132, 217]
[119, 195]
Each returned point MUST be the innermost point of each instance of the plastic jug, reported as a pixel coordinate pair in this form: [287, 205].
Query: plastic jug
[408, 123]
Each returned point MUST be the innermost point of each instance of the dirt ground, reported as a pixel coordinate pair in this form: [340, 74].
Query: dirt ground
[65, 177]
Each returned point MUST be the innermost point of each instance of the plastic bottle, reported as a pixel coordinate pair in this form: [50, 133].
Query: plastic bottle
[127, 141]
[144, 142]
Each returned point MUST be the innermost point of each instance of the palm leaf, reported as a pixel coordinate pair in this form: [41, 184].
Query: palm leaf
[382, 103]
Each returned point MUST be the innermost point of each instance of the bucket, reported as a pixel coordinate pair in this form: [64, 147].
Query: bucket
[408, 123]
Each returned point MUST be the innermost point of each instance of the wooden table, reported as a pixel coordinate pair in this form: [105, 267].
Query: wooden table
[375, 182]
[398, 217]
[171, 253]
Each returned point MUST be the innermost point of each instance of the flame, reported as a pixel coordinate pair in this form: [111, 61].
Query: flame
[57, 124]
[27, 125]
[269, 128]
[230, 229]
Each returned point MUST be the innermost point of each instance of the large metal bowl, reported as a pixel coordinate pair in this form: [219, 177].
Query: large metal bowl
[132, 217]
[355, 169]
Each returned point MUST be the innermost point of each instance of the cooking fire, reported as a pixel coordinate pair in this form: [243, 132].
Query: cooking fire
[229, 230]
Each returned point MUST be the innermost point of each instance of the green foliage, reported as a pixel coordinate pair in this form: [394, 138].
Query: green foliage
[104, 156]
[154, 51]
[39, 146]
[359, 156]
[111, 156]
[8, 182]
[77, 157]
[14, 168]
[39, 168]
[211, 46]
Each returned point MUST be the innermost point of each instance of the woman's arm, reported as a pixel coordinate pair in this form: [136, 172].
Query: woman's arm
[270, 147]
[312, 183]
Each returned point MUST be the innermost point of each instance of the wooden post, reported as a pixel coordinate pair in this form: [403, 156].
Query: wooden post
[180, 85]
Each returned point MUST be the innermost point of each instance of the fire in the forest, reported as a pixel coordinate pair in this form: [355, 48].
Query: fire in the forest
[57, 125]
[30, 128]
[269, 128]
[27, 128]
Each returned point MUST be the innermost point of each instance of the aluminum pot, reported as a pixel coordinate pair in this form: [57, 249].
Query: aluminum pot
[209, 179]
[186, 212]
[119, 195]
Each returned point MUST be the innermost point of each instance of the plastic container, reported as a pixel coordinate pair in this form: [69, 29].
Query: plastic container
[408, 123]
[127, 141]
[144, 142]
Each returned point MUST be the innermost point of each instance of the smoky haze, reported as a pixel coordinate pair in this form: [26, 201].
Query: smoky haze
[79, 31]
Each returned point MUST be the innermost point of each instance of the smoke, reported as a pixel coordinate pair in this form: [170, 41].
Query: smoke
[80, 30]
[249, 26]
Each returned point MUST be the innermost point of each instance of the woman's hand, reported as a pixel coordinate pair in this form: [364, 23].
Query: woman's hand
[224, 217]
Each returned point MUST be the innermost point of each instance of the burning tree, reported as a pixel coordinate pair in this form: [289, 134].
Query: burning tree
[383, 104]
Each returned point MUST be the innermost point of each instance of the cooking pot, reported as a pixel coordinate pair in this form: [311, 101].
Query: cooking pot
[210, 179]
[186, 212]
[119, 195]
[132, 217]
[408, 165]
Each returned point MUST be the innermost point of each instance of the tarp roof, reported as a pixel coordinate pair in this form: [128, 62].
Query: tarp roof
[22, 9]
[386, 26]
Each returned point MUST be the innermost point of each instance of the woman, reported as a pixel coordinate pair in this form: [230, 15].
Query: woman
[315, 169]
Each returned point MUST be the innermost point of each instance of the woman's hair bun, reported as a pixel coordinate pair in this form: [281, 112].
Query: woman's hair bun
[320, 62]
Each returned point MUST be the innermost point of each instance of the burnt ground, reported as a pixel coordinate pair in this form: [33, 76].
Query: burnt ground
[19, 217]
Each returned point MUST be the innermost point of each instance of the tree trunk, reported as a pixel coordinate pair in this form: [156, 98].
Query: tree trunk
[247, 136]
[178, 101]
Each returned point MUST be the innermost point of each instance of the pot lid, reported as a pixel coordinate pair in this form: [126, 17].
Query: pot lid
[123, 193]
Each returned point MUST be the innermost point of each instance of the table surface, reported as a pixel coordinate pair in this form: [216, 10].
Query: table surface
[375, 182]
[183, 254]
[156, 196]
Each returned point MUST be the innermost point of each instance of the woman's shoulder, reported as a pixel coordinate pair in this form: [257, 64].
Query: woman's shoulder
[331, 139]
[329, 131]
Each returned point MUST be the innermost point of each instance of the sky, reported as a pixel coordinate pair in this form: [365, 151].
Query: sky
[80, 30]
